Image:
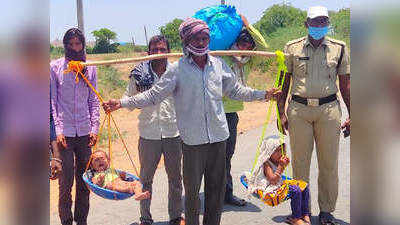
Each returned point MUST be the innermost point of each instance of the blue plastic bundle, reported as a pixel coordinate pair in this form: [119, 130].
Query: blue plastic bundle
[224, 23]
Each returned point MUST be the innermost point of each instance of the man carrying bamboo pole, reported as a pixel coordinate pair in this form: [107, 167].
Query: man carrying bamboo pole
[197, 82]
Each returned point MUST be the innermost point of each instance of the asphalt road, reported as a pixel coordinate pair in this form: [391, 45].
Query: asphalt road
[104, 212]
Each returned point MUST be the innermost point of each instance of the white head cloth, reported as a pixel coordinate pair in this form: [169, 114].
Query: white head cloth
[257, 179]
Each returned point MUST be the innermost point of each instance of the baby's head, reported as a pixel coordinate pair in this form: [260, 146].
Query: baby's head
[277, 154]
[272, 149]
[100, 161]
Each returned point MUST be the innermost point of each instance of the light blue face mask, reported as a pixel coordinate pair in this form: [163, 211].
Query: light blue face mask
[317, 32]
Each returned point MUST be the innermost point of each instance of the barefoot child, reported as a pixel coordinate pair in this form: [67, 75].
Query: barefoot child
[267, 177]
[110, 179]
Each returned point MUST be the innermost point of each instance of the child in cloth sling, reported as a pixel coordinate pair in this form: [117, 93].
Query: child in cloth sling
[266, 177]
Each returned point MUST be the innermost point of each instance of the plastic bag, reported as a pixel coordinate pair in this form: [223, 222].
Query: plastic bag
[224, 23]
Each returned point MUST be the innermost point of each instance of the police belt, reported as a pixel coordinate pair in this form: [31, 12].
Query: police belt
[314, 101]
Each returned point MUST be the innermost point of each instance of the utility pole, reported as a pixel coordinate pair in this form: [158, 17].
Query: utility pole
[79, 13]
[222, 2]
[133, 41]
[145, 34]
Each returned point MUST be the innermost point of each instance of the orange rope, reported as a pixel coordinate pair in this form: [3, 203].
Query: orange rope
[95, 145]
[100, 130]
[126, 148]
[77, 67]
[109, 139]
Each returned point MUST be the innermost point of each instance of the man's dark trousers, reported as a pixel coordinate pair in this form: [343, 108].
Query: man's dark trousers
[78, 147]
[232, 120]
[207, 160]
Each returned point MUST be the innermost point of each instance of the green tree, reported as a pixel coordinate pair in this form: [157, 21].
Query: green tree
[340, 23]
[56, 52]
[171, 32]
[281, 36]
[278, 16]
[103, 38]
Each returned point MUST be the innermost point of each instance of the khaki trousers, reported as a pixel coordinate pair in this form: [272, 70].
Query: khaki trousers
[322, 125]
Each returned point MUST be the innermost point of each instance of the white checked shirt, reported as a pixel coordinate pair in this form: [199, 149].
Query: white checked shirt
[156, 121]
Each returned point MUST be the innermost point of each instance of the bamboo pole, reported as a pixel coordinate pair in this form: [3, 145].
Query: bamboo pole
[178, 55]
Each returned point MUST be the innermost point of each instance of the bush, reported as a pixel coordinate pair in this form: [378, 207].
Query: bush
[110, 82]
[56, 52]
[129, 48]
[103, 136]
[282, 35]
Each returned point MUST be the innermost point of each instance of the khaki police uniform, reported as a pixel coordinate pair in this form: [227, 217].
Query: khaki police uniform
[314, 74]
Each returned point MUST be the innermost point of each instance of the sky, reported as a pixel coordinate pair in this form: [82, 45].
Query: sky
[128, 17]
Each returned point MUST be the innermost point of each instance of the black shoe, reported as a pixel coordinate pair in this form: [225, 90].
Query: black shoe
[68, 222]
[326, 218]
[177, 221]
[235, 201]
[81, 222]
[145, 223]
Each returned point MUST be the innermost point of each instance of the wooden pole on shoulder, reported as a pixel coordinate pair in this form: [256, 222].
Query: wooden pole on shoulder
[178, 55]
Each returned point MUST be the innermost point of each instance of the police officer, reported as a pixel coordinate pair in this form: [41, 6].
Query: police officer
[314, 112]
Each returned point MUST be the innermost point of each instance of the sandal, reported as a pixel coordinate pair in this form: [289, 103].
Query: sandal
[307, 221]
[327, 219]
[290, 220]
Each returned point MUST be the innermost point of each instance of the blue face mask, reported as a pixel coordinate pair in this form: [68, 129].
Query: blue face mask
[317, 32]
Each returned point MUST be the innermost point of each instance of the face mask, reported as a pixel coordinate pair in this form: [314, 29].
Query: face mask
[317, 32]
[241, 59]
[197, 51]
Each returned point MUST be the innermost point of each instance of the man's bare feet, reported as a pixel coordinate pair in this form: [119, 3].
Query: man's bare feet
[307, 219]
[142, 196]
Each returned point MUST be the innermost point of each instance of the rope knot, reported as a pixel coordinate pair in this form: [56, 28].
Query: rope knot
[75, 67]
